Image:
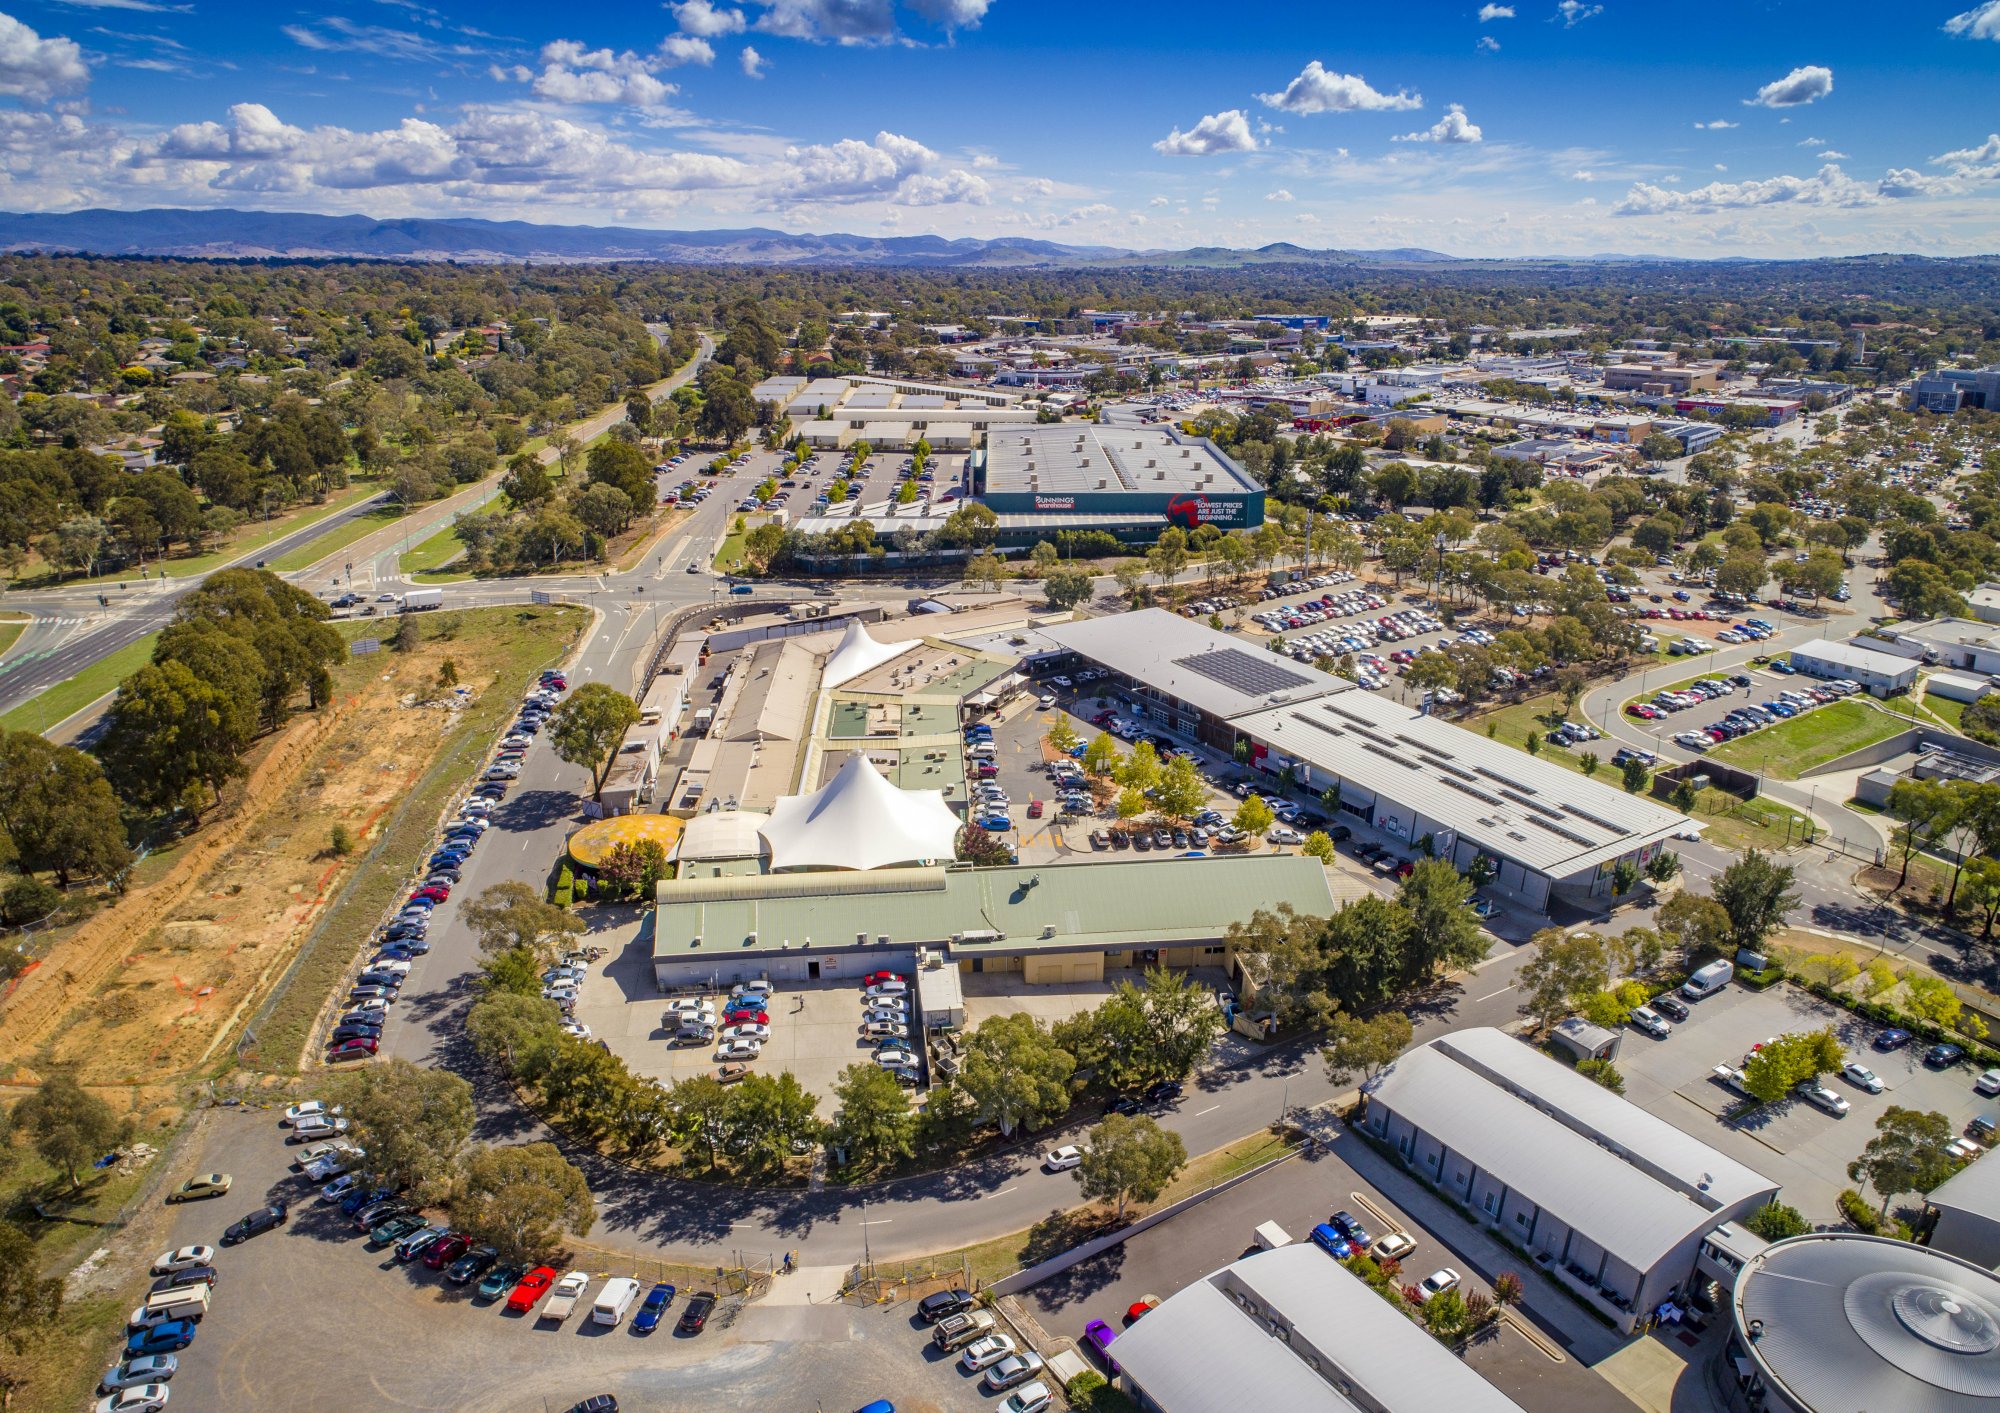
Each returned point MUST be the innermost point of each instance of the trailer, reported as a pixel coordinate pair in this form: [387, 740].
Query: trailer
[417, 600]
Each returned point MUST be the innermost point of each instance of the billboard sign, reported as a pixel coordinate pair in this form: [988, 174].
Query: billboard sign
[1190, 511]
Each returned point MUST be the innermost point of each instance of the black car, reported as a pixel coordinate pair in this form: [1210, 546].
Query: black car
[354, 1030]
[694, 1315]
[1942, 1057]
[1124, 1104]
[472, 1265]
[1894, 1038]
[596, 1403]
[935, 1307]
[192, 1275]
[262, 1220]
[1165, 1092]
[1669, 1006]
[1340, 833]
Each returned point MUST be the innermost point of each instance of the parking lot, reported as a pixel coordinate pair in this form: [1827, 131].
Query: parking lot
[310, 1317]
[1801, 1147]
[1685, 717]
[1297, 1195]
[816, 1029]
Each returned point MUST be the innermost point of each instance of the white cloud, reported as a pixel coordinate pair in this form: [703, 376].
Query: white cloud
[678, 49]
[1583, 175]
[891, 168]
[1279, 195]
[1980, 22]
[1805, 84]
[1902, 182]
[1488, 44]
[1987, 152]
[1719, 123]
[35, 69]
[953, 14]
[1489, 13]
[1827, 187]
[1453, 127]
[1227, 131]
[1318, 90]
[572, 74]
[751, 61]
[1157, 201]
[830, 21]
[706, 20]
[1831, 156]
[341, 35]
[1575, 12]
[146, 6]
[1812, 142]
[945, 188]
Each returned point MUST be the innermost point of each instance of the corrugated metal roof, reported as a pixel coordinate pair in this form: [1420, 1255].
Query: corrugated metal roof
[1150, 646]
[1856, 658]
[1865, 1322]
[1503, 800]
[1974, 1188]
[1108, 905]
[1632, 1183]
[1201, 1351]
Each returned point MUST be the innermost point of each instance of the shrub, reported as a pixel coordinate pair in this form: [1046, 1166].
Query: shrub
[1759, 980]
[341, 842]
[1775, 1221]
[1859, 1213]
[565, 890]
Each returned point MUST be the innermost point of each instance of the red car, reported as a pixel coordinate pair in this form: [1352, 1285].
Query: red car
[360, 1047]
[875, 978]
[533, 1286]
[745, 1017]
[447, 1249]
[436, 892]
[1034, 809]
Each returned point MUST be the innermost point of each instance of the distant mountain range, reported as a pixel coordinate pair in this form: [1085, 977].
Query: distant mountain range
[294, 235]
[254, 235]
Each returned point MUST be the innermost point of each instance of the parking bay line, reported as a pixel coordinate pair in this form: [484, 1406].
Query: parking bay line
[1209, 1110]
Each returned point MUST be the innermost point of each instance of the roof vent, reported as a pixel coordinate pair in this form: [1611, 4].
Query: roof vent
[750, 939]
[694, 941]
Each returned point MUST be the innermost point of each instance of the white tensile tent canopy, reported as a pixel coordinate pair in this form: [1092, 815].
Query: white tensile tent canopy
[856, 653]
[859, 820]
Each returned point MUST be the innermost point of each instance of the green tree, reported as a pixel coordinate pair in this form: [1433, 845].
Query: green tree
[1253, 816]
[413, 1121]
[1141, 769]
[1443, 932]
[589, 727]
[70, 1127]
[1774, 1221]
[1602, 1072]
[1781, 1064]
[29, 1304]
[1634, 774]
[507, 1029]
[1319, 845]
[1756, 892]
[1015, 1073]
[872, 1118]
[1365, 949]
[770, 1115]
[1181, 792]
[523, 1200]
[1566, 968]
[57, 810]
[513, 914]
[1362, 1049]
[1182, 1022]
[1066, 588]
[1129, 1158]
[1907, 1154]
[168, 733]
[1101, 755]
[701, 1107]
[1920, 808]
[1062, 735]
[1694, 926]
[1131, 803]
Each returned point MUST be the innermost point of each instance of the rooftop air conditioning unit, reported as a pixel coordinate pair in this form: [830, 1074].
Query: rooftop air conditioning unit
[861, 939]
[1048, 930]
[882, 939]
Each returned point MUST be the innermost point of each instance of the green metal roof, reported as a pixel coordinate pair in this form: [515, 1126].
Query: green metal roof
[1079, 906]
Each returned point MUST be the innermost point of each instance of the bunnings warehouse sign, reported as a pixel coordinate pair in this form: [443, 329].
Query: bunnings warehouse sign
[1201, 510]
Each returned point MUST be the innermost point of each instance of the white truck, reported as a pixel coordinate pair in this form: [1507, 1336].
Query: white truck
[417, 600]
[703, 719]
[187, 1302]
[614, 1300]
[562, 1300]
[1270, 1236]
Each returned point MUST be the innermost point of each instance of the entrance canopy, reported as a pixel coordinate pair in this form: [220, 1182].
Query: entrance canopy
[859, 820]
[856, 653]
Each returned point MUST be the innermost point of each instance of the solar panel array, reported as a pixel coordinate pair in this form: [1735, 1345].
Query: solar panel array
[1248, 673]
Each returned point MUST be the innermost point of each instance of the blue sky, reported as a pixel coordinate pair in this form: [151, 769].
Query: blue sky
[1553, 127]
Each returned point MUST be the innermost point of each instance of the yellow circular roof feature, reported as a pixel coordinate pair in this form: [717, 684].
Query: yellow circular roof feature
[590, 844]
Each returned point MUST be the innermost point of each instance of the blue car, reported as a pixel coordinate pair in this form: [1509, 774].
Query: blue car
[652, 1308]
[355, 1201]
[994, 822]
[160, 1339]
[1331, 1242]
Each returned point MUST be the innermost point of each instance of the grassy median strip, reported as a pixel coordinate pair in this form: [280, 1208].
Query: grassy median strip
[320, 546]
[71, 695]
[431, 555]
[534, 639]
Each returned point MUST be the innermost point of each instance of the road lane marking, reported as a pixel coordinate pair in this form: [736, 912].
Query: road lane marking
[1209, 1110]
[1003, 1192]
[1491, 994]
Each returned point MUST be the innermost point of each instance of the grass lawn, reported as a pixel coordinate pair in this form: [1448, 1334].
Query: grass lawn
[72, 695]
[10, 630]
[1510, 725]
[429, 555]
[729, 554]
[320, 546]
[1731, 823]
[1788, 749]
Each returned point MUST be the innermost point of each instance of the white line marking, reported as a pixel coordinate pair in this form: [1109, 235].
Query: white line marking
[1491, 994]
[1209, 1110]
[1003, 1192]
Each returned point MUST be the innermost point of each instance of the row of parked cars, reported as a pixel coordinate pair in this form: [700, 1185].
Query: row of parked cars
[1755, 716]
[959, 1326]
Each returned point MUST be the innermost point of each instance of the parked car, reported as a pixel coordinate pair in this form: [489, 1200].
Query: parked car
[1395, 1246]
[647, 1318]
[262, 1220]
[694, 1315]
[310, 1109]
[472, 1264]
[196, 1188]
[1669, 1006]
[498, 1282]
[1861, 1077]
[132, 1373]
[1941, 1057]
[169, 1338]
[982, 1354]
[1894, 1038]
[1646, 1019]
[936, 1306]
[1061, 1160]
[530, 1288]
[1014, 1369]
[1032, 1397]
[1437, 1283]
[1820, 1097]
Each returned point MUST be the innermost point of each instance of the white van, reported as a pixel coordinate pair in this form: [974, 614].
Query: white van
[188, 1302]
[614, 1300]
[1708, 980]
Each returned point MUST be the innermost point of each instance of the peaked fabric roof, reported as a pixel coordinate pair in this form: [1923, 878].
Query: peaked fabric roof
[859, 820]
[856, 653]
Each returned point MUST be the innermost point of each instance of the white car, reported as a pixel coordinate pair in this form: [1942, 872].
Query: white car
[888, 988]
[1988, 1083]
[1820, 1097]
[558, 993]
[1396, 1246]
[737, 1050]
[1861, 1077]
[984, 1353]
[146, 1398]
[181, 1258]
[691, 1006]
[313, 1152]
[1282, 834]
[886, 1029]
[747, 1031]
[311, 1109]
[576, 1028]
[895, 1058]
[1061, 1160]
[1437, 1283]
[318, 1128]
[1651, 1021]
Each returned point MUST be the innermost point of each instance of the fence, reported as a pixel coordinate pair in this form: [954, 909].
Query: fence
[874, 1283]
[1033, 1275]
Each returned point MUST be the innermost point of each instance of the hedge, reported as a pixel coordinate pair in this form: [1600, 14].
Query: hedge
[1759, 980]
[1862, 1217]
[565, 890]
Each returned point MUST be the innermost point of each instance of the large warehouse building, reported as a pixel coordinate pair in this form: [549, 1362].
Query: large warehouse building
[1407, 776]
[1130, 481]
[890, 414]
[1611, 1201]
[1292, 1330]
